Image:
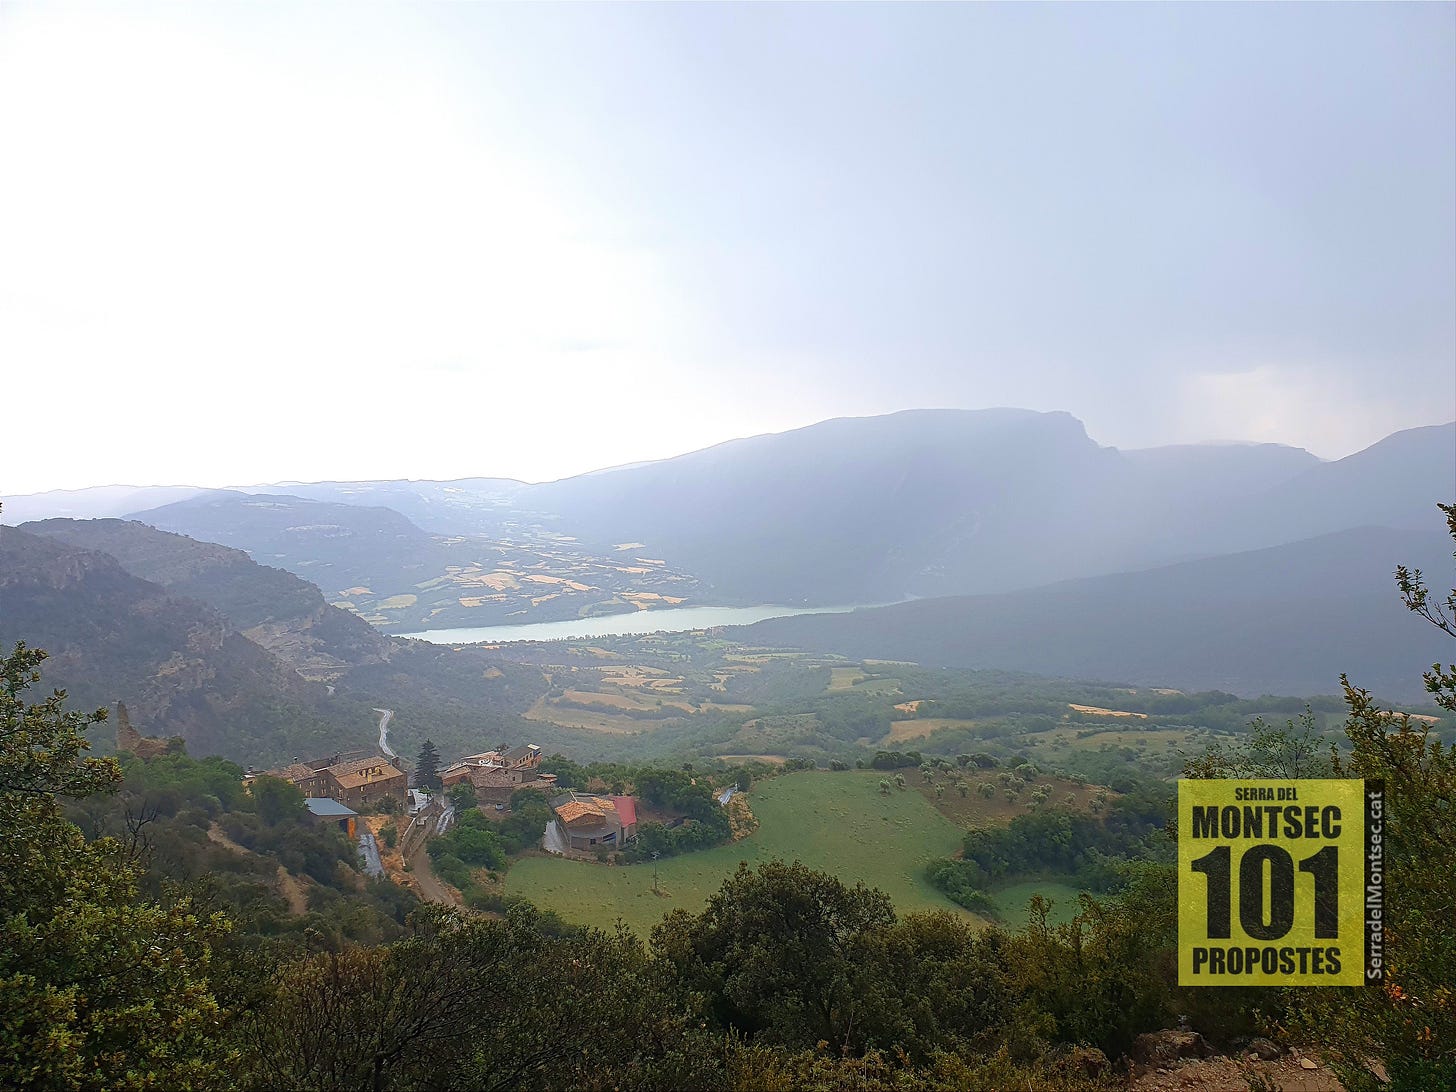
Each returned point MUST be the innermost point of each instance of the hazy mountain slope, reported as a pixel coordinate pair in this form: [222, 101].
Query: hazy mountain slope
[286, 615]
[921, 502]
[334, 546]
[463, 506]
[1287, 620]
[1393, 483]
[401, 578]
[180, 667]
[92, 503]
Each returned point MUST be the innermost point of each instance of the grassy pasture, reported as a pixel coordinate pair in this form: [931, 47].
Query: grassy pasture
[835, 822]
[1012, 901]
[975, 810]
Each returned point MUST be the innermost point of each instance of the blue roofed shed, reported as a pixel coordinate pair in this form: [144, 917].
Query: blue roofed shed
[324, 810]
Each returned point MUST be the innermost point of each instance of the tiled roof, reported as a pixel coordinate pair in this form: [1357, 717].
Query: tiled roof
[295, 772]
[358, 773]
[579, 809]
[626, 809]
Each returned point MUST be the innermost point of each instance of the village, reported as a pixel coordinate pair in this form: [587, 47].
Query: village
[371, 800]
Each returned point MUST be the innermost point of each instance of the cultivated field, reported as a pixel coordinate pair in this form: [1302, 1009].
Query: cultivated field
[835, 822]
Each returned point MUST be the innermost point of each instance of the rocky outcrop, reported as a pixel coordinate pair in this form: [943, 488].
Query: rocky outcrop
[131, 741]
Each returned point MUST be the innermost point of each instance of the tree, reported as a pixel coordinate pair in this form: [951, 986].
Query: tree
[1410, 1023]
[100, 987]
[779, 952]
[462, 796]
[427, 767]
[1440, 682]
[276, 800]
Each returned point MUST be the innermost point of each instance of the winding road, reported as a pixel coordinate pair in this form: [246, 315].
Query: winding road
[385, 716]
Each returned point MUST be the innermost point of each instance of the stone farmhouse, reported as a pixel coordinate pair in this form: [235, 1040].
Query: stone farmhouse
[355, 779]
[497, 774]
[589, 823]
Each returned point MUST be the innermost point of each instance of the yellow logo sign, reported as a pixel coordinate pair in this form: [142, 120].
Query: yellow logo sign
[1280, 883]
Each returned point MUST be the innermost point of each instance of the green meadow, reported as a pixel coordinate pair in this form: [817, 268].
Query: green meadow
[833, 822]
[1012, 901]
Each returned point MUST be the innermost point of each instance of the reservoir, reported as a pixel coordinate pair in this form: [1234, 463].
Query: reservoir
[671, 620]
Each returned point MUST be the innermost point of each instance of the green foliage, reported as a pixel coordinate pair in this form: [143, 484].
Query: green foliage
[1440, 681]
[476, 1003]
[1066, 843]
[99, 987]
[472, 841]
[895, 760]
[462, 796]
[1410, 1023]
[276, 800]
[777, 951]
[427, 767]
[521, 829]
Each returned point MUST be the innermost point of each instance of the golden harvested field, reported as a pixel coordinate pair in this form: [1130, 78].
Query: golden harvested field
[903, 730]
[574, 585]
[398, 602]
[610, 701]
[1097, 710]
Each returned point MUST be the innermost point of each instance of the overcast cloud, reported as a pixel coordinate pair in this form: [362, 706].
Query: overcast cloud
[241, 244]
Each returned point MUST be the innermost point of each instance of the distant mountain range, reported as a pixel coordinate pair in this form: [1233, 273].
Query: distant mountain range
[1065, 545]
[1282, 620]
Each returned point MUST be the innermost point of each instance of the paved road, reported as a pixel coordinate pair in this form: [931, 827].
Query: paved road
[385, 716]
[369, 854]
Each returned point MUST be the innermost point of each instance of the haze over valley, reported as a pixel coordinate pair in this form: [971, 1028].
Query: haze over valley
[742, 547]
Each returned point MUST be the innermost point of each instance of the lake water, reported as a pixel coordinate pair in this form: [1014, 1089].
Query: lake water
[671, 620]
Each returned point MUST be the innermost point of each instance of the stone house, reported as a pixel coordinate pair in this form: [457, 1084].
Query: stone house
[589, 822]
[363, 782]
[497, 774]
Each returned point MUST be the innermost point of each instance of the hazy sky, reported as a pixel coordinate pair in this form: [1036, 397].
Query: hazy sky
[242, 244]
